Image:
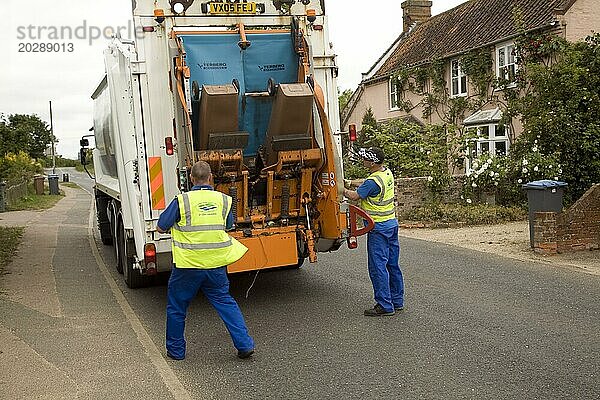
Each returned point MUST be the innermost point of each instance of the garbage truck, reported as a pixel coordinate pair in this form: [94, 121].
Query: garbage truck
[250, 88]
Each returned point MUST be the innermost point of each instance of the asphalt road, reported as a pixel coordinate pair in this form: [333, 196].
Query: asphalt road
[80, 178]
[475, 326]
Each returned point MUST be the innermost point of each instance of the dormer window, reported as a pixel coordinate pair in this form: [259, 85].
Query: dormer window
[506, 62]
[459, 79]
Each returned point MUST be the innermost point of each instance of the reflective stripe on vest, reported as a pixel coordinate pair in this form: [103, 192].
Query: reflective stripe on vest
[202, 246]
[202, 228]
[199, 238]
[380, 201]
[381, 208]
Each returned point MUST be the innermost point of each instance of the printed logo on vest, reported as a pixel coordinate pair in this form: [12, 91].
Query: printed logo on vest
[207, 207]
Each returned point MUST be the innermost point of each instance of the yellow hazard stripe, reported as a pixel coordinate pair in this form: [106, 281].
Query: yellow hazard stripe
[157, 188]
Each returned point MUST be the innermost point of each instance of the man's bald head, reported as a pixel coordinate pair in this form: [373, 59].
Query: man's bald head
[201, 173]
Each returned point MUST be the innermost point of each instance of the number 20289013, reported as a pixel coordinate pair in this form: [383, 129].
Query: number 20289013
[46, 47]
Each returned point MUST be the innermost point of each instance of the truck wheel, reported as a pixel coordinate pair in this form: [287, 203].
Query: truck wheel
[102, 217]
[119, 246]
[105, 235]
[133, 278]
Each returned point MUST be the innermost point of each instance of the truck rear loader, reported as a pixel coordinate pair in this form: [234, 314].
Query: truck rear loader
[250, 88]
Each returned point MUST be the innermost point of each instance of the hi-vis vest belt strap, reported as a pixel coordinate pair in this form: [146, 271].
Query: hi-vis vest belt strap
[381, 208]
[199, 238]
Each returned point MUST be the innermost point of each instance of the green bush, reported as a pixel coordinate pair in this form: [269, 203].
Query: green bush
[560, 107]
[59, 162]
[411, 150]
[505, 175]
[438, 214]
[16, 168]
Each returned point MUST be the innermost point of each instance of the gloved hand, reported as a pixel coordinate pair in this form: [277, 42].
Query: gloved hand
[347, 183]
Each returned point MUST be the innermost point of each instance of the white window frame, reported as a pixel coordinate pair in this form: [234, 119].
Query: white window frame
[491, 139]
[394, 94]
[460, 78]
[506, 59]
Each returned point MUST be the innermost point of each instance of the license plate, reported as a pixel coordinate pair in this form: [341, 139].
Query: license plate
[232, 8]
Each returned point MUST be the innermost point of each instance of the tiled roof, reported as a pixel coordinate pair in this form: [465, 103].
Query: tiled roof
[473, 24]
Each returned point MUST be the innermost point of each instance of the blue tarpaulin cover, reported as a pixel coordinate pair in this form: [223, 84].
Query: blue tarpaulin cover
[216, 59]
[544, 184]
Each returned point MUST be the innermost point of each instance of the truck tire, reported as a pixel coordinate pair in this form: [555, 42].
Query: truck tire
[119, 246]
[102, 216]
[133, 278]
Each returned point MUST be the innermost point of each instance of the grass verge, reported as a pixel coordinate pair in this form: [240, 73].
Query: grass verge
[10, 237]
[90, 168]
[35, 201]
[444, 215]
[70, 184]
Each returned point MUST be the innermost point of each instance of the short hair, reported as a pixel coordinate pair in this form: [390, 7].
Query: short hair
[201, 171]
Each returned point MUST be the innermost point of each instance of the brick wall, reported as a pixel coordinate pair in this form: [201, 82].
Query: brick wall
[577, 228]
[413, 192]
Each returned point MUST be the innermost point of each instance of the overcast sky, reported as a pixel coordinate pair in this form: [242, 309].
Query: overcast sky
[360, 31]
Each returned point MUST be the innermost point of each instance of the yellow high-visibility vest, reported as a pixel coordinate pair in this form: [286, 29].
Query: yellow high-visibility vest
[381, 208]
[199, 238]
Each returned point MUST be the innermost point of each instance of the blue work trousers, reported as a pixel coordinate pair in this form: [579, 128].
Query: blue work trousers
[388, 284]
[183, 287]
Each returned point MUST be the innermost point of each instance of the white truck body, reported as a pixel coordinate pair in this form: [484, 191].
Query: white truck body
[137, 108]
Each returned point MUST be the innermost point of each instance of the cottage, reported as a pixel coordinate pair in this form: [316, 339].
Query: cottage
[423, 74]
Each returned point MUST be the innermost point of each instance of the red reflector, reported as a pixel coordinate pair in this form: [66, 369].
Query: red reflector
[352, 242]
[149, 252]
[318, 27]
[169, 145]
[352, 132]
[148, 29]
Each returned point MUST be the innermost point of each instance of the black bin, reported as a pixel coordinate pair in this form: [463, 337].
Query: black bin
[65, 177]
[53, 184]
[543, 196]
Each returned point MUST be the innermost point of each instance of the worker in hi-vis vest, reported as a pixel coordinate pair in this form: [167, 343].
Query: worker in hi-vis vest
[376, 197]
[201, 251]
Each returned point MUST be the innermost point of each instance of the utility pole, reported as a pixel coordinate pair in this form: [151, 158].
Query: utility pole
[52, 133]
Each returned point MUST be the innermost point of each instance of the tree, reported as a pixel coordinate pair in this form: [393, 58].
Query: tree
[26, 133]
[560, 107]
[344, 99]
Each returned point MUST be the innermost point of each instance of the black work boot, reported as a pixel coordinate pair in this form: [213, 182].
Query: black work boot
[245, 354]
[378, 311]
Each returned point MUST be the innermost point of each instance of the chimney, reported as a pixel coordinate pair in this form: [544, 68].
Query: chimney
[415, 11]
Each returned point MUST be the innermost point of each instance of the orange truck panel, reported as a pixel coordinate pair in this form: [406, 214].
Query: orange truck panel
[267, 252]
[157, 187]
